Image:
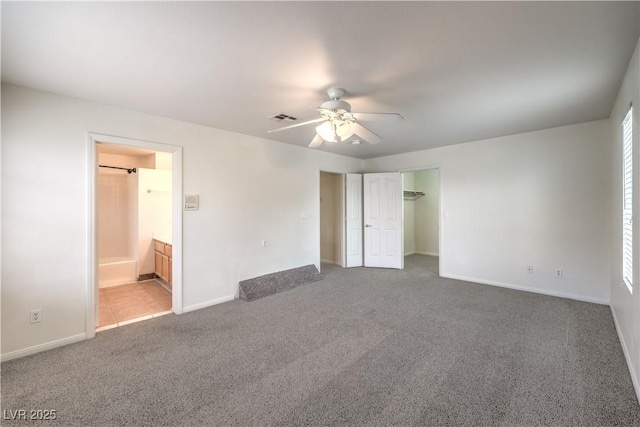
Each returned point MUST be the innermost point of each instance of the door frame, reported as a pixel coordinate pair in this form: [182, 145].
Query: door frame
[440, 211]
[92, 234]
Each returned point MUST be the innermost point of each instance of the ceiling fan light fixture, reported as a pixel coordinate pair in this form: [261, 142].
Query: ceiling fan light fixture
[335, 130]
[326, 132]
[343, 129]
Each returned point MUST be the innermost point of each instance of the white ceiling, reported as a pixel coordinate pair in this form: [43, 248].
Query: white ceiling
[456, 71]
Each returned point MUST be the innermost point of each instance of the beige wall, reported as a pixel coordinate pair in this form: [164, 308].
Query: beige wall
[117, 214]
[154, 214]
[163, 161]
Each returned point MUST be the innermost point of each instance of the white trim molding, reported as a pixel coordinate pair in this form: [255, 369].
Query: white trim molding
[627, 356]
[209, 303]
[576, 297]
[43, 347]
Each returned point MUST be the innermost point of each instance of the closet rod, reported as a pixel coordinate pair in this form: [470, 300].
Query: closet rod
[129, 170]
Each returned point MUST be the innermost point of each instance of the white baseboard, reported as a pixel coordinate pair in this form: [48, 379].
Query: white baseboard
[329, 261]
[634, 377]
[208, 303]
[43, 347]
[420, 253]
[529, 289]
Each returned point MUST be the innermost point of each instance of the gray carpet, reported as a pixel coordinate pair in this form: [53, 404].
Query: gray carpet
[269, 284]
[362, 347]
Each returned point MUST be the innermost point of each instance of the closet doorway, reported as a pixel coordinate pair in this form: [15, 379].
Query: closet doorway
[332, 219]
[421, 189]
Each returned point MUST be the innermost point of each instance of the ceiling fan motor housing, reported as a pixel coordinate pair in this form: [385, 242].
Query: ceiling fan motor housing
[337, 104]
[336, 92]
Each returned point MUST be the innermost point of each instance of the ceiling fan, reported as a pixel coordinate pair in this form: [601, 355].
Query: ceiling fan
[338, 123]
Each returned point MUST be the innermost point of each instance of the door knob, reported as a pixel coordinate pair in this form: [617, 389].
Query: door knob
[368, 225]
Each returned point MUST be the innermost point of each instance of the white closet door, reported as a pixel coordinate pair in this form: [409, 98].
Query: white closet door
[383, 234]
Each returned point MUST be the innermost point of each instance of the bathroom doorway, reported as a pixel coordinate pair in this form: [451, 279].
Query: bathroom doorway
[136, 232]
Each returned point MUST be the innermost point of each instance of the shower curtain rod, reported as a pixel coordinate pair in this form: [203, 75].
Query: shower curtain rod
[129, 170]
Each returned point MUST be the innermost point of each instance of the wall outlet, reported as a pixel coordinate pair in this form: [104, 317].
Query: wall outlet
[35, 316]
[558, 272]
[264, 243]
[530, 269]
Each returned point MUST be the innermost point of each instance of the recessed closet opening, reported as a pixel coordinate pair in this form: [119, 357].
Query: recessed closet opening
[421, 190]
[332, 219]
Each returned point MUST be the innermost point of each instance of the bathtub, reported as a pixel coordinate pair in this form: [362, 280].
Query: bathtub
[117, 271]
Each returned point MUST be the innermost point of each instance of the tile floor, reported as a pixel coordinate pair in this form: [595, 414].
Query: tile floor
[132, 302]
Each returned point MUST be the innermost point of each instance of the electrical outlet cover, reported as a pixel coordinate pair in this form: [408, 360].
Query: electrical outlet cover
[35, 316]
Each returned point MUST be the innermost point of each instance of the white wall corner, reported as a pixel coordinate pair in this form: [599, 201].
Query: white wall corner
[627, 356]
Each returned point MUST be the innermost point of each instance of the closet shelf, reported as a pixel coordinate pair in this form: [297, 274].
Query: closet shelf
[412, 195]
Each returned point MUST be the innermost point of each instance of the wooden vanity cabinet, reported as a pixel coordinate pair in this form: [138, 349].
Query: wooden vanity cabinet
[163, 256]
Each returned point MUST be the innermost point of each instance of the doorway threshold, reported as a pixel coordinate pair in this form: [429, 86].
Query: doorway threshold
[135, 320]
[132, 302]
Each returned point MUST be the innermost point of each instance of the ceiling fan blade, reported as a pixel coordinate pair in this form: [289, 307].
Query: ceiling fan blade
[316, 142]
[308, 122]
[378, 117]
[365, 133]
